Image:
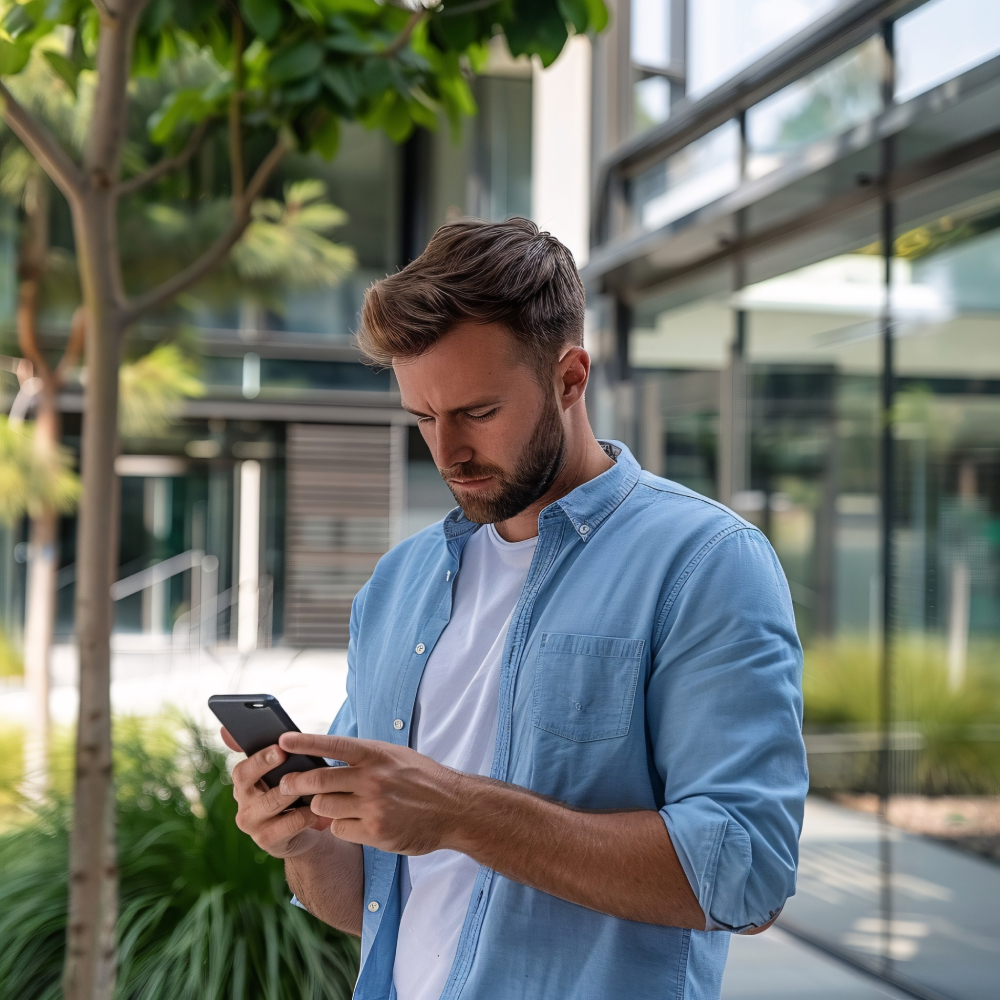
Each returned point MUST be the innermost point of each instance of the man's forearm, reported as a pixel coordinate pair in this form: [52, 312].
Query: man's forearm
[329, 881]
[623, 864]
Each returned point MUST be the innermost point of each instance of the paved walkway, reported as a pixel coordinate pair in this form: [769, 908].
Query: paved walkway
[944, 925]
[148, 675]
[775, 966]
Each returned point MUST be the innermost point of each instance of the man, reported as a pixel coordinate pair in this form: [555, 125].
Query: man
[573, 707]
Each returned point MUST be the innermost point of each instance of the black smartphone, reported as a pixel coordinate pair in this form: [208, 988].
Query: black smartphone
[256, 721]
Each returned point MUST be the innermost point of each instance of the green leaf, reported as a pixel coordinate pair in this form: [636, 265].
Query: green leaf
[181, 107]
[326, 138]
[342, 82]
[538, 29]
[597, 14]
[18, 20]
[264, 16]
[65, 68]
[295, 63]
[575, 11]
[396, 120]
[349, 43]
[375, 78]
[301, 92]
[13, 57]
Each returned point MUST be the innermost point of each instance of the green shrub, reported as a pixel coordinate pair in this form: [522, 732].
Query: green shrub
[960, 729]
[204, 914]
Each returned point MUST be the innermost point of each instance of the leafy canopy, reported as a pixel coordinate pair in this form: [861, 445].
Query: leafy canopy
[307, 64]
[33, 478]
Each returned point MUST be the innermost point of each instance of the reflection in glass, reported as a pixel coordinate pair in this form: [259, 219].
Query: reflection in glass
[724, 36]
[942, 39]
[835, 98]
[652, 102]
[677, 351]
[702, 172]
[649, 33]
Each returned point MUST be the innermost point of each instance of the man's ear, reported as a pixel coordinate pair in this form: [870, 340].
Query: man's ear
[573, 370]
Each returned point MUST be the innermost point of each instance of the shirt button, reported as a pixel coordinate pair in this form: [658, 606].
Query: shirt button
[397, 724]
[584, 529]
[373, 906]
[420, 648]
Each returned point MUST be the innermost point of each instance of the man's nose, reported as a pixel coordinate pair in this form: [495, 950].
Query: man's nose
[451, 446]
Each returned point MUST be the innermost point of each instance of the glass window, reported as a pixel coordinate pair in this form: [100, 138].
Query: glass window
[724, 36]
[501, 169]
[679, 345]
[942, 39]
[649, 33]
[835, 98]
[699, 174]
[652, 102]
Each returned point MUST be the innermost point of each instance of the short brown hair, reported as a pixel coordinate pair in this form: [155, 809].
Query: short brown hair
[485, 272]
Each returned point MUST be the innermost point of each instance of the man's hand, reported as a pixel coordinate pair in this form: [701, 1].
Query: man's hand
[389, 797]
[398, 800]
[265, 813]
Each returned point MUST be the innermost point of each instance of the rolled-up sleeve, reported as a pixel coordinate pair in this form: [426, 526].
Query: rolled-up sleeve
[724, 714]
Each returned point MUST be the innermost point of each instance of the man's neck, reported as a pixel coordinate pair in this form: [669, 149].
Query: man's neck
[585, 462]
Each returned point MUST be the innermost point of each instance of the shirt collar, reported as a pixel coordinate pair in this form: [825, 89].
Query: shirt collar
[587, 507]
[593, 502]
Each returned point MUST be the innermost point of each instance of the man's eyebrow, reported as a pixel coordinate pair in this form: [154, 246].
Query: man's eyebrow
[456, 410]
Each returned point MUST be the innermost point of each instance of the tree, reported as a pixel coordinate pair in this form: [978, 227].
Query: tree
[288, 72]
[24, 182]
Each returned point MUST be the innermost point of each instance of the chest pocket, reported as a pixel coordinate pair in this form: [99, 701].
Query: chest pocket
[585, 685]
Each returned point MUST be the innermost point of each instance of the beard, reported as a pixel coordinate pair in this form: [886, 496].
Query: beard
[518, 488]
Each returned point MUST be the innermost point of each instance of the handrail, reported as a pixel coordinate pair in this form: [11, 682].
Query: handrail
[156, 573]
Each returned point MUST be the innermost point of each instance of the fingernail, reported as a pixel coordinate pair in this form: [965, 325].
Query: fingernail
[272, 757]
[283, 787]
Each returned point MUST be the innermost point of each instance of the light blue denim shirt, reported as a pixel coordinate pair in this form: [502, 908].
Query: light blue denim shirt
[651, 663]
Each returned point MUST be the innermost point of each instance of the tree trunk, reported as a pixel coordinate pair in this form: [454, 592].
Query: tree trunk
[90, 948]
[40, 618]
[89, 972]
[43, 535]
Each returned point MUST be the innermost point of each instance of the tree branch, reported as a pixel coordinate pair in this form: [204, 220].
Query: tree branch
[236, 113]
[42, 145]
[74, 345]
[168, 164]
[216, 253]
[404, 36]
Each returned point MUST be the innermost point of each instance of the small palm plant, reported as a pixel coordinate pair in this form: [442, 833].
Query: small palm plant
[204, 914]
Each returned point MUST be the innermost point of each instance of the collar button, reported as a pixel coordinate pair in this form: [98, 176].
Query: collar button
[584, 529]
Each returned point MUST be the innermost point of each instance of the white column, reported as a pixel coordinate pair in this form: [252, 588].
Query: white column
[958, 624]
[560, 147]
[157, 514]
[246, 628]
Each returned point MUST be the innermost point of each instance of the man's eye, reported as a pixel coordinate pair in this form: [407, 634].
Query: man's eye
[424, 420]
[483, 416]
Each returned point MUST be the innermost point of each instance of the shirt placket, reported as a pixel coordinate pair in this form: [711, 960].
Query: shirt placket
[551, 527]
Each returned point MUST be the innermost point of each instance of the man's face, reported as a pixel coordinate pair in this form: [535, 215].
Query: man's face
[496, 436]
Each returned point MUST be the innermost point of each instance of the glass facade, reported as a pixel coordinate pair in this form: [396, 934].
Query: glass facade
[800, 318]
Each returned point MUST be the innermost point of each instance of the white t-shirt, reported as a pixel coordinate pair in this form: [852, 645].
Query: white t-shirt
[455, 723]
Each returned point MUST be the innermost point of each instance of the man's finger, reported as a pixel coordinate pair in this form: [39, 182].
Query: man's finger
[248, 772]
[336, 805]
[346, 748]
[320, 779]
[229, 741]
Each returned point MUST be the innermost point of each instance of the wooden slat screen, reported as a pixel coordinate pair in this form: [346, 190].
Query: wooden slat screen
[342, 509]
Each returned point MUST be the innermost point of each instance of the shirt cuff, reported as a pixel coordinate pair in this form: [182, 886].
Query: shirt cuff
[714, 851]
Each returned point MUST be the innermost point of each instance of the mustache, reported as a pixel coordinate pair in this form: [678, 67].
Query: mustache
[471, 470]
